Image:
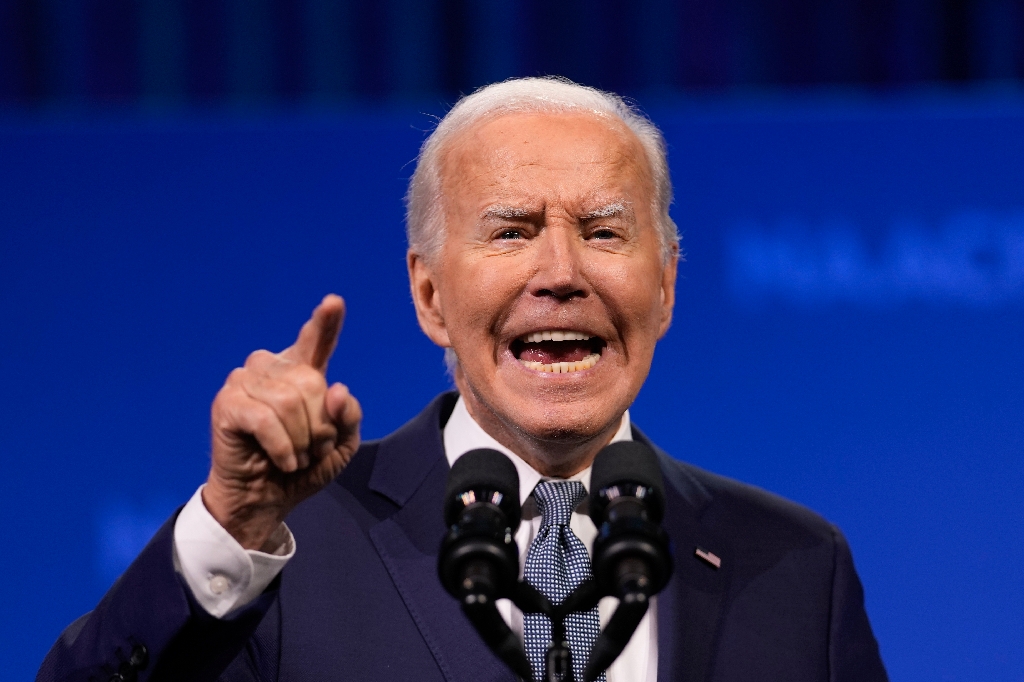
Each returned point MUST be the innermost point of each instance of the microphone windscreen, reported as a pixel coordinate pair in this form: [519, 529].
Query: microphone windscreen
[627, 461]
[478, 470]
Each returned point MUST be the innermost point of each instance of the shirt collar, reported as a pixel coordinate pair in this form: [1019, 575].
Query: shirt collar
[462, 433]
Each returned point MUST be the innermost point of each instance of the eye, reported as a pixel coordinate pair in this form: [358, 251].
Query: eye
[603, 233]
[510, 234]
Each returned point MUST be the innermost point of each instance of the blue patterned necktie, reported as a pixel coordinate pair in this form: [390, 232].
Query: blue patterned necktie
[556, 563]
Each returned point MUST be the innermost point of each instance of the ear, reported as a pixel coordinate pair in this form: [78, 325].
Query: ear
[423, 282]
[668, 291]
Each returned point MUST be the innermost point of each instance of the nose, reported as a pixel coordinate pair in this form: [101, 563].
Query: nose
[558, 271]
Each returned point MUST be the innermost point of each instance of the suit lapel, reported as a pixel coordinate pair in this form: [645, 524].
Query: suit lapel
[690, 607]
[411, 470]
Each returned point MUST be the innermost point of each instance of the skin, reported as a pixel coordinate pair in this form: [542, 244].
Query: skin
[525, 250]
[279, 433]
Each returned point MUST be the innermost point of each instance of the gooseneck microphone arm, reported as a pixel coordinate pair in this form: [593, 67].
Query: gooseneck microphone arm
[631, 555]
[479, 561]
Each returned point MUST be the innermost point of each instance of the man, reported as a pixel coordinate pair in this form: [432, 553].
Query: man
[543, 259]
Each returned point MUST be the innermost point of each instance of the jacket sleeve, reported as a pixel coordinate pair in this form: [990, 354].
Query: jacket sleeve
[853, 651]
[148, 627]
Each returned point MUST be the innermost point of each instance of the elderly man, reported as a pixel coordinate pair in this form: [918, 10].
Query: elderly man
[543, 259]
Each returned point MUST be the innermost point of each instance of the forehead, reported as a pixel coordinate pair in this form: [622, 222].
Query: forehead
[546, 153]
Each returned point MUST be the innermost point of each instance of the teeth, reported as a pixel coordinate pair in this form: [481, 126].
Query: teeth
[565, 367]
[537, 337]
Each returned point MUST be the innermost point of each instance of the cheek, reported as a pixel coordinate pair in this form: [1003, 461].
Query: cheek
[479, 293]
[632, 294]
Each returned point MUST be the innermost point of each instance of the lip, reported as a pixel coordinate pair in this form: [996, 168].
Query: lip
[559, 376]
[559, 328]
[550, 376]
[565, 370]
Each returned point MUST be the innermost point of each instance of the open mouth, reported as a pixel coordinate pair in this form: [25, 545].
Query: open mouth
[558, 351]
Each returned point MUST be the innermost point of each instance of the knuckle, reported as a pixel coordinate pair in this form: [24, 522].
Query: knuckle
[259, 357]
[226, 398]
[283, 394]
[308, 379]
[236, 375]
[324, 432]
[264, 421]
[356, 409]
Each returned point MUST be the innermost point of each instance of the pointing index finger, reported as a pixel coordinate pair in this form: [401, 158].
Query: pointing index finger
[319, 335]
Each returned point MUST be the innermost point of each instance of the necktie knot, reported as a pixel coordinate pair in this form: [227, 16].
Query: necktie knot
[556, 501]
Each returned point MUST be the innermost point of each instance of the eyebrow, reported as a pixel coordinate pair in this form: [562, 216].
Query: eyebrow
[506, 212]
[612, 210]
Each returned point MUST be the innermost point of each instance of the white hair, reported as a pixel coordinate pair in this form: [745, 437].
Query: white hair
[424, 215]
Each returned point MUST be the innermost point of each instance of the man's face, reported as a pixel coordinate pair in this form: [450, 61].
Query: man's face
[549, 234]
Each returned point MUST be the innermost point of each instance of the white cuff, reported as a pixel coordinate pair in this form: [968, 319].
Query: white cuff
[222, 575]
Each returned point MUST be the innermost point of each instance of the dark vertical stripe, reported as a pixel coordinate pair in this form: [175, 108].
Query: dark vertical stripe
[113, 68]
[560, 38]
[206, 57]
[540, 35]
[1017, 27]
[330, 48]
[875, 33]
[656, 25]
[704, 59]
[491, 42]
[798, 59]
[64, 49]
[836, 49]
[956, 40]
[614, 48]
[267, 50]
[250, 45]
[996, 39]
[287, 21]
[10, 69]
[162, 50]
[917, 42]
[373, 71]
[415, 40]
[455, 47]
[21, 52]
[753, 56]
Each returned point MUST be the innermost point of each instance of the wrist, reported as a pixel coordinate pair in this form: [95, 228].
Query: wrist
[253, 524]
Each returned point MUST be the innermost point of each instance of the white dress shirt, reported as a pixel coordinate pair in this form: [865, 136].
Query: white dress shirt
[638, 662]
[224, 577]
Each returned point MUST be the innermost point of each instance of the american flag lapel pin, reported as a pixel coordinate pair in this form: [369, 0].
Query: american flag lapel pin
[709, 558]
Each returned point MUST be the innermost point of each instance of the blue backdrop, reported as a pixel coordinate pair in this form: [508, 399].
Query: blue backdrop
[848, 333]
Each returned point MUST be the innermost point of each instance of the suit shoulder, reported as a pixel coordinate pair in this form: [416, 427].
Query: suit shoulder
[741, 505]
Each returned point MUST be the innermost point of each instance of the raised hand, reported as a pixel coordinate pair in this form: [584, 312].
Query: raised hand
[280, 433]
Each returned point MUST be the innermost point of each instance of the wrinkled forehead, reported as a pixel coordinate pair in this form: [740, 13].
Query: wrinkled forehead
[489, 141]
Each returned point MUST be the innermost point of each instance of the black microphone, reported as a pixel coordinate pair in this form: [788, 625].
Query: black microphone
[631, 555]
[479, 561]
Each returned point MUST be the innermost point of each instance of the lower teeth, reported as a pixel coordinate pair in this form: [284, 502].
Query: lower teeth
[564, 367]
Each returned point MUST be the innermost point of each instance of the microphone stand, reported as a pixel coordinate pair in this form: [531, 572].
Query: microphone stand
[481, 610]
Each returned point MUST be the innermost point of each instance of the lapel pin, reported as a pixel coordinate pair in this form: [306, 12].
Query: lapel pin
[708, 558]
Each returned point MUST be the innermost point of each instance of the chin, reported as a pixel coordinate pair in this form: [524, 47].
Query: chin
[567, 422]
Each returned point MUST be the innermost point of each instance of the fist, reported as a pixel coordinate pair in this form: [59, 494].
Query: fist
[279, 432]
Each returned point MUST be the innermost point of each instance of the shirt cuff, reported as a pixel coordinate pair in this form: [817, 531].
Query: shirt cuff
[223, 576]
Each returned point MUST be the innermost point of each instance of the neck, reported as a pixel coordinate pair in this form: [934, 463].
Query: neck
[558, 456]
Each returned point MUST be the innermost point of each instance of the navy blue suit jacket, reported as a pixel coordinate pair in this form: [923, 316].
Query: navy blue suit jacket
[361, 599]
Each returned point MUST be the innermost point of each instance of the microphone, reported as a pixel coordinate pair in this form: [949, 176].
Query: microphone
[631, 557]
[479, 561]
